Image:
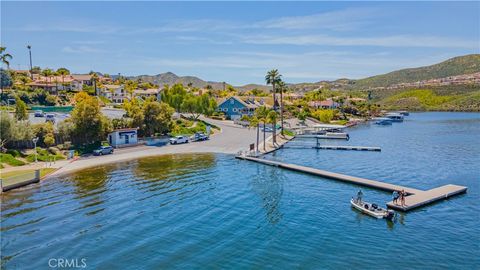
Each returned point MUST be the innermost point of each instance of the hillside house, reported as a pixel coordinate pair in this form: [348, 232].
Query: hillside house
[235, 107]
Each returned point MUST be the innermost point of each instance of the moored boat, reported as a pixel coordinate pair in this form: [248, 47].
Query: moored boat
[372, 209]
[395, 117]
[383, 121]
[404, 113]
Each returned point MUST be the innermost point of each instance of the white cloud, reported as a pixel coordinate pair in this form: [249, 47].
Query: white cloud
[339, 20]
[384, 41]
[81, 49]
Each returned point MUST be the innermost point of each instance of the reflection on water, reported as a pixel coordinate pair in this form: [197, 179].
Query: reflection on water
[213, 211]
[268, 185]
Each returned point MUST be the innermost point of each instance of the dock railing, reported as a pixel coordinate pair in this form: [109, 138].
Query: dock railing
[20, 180]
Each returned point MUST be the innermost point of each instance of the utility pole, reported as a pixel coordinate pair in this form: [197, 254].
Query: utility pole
[31, 67]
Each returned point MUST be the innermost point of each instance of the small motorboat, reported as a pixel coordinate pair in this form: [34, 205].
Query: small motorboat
[404, 113]
[383, 121]
[372, 209]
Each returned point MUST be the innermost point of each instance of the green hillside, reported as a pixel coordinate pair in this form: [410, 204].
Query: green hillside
[430, 100]
[455, 66]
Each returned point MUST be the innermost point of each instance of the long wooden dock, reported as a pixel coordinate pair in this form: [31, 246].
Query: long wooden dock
[336, 147]
[416, 198]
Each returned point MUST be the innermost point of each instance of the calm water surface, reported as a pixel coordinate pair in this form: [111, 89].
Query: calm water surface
[212, 211]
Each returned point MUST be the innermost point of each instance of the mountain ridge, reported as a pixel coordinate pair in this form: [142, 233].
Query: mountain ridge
[465, 64]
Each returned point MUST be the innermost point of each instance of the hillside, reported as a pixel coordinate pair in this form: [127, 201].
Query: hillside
[455, 66]
[431, 100]
[171, 78]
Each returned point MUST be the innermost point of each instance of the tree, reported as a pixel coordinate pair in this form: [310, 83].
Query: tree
[90, 124]
[47, 73]
[191, 105]
[157, 117]
[7, 127]
[94, 80]
[49, 139]
[281, 88]
[255, 122]
[273, 77]
[36, 70]
[130, 87]
[63, 72]
[5, 57]
[5, 79]
[174, 96]
[272, 119]
[20, 109]
[261, 114]
[134, 111]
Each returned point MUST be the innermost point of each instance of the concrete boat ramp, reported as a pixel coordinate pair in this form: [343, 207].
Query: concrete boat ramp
[416, 198]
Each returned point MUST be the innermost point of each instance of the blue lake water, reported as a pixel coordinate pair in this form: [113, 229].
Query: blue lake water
[213, 211]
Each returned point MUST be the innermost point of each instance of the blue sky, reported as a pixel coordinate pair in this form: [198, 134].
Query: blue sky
[238, 42]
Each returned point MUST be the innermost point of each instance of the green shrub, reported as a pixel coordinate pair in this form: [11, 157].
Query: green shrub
[10, 160]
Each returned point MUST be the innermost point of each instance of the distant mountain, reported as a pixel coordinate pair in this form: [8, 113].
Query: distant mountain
[171, 78]
[466, 64]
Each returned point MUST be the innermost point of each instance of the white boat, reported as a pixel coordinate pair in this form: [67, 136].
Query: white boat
[382, 121]
[395, 117]
[372, 209]
[404, 113]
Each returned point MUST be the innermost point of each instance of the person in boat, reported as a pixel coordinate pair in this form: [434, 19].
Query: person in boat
[402, 197]
[395, 196]
[359, 196]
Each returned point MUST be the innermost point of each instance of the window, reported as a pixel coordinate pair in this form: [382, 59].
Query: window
[234, 109]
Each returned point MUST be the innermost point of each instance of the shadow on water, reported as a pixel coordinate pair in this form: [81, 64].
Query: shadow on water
[268, 185]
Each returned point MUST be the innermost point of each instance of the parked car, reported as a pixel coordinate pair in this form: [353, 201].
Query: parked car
[179, 139]
[103, 150]
[200, 136]
[39, 113]
[50, 118]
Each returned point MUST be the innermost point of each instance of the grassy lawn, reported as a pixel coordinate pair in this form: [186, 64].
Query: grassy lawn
[43, 172]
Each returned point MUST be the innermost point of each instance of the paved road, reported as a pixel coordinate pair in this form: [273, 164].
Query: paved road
[231, 140]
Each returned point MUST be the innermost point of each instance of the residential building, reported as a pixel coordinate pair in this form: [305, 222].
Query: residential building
[115, 93]
[324, 104]
[235, 107]
[145, 93]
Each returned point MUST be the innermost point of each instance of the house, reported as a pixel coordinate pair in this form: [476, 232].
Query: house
[324, 104]
[115, 93]
[235, 107]
[145, 93]
[123, 137]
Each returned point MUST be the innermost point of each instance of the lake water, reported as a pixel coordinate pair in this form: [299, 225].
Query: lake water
[213, 211]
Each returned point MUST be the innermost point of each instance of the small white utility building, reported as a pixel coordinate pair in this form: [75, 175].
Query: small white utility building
[123, 137]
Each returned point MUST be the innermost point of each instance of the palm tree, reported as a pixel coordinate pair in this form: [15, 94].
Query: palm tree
[281, 86]
[47, 73]
[273, 77]
[272, 119]
[255, 122]
[94, 79]
[63, 72]
[261, 115]
[5, 57]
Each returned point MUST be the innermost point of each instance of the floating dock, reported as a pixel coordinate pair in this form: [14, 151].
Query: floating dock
[336, 147]
[415, 197]
[323, 136]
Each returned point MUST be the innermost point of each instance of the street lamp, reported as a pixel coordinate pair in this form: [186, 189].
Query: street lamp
[35, 140]
[31, 67]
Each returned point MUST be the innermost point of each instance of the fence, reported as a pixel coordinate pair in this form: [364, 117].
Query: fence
[19, 180]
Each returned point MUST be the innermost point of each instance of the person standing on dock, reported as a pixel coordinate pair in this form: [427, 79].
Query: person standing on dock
[402, 197]
[395, 195]
[359, 196]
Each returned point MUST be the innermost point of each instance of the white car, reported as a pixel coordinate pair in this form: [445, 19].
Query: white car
[179, 139]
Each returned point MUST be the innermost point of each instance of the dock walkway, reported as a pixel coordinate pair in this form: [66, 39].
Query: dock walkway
[416, 198]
